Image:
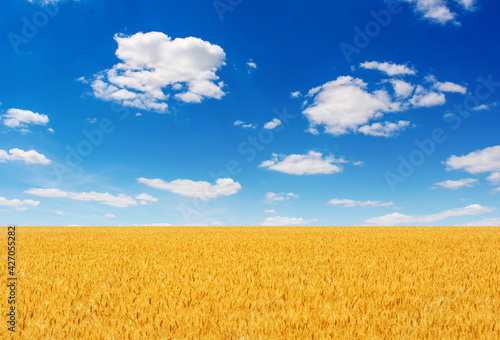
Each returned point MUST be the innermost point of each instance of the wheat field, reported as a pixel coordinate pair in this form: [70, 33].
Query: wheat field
[256, 283]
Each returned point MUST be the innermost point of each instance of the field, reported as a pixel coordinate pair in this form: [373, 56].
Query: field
[256, 283]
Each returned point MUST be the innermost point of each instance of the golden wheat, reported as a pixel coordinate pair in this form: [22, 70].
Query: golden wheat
[256, 283]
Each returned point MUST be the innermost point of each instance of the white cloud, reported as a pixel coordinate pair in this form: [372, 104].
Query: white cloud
[488, 222]
[46, 2]
[446, 86]
[481, 107]
[347, 203]
[51, 130]
[272, 124]
[120, 201]
[270, 211]
[387, 129]
[396, 218]
[151, 63]
[495, 191]
[16, 118]
[358, 163]
[202, 190]
[494, 178]
[402, 89]
[391, 69]
[154, 225]
[451, 87]
[479, 161]
[438, 11]
[28, 157]
[92, 120]
[425, 98]
[251, 64]
[296, 94]
[273, 197]
[244, 125]
[308, 164]
[284, 221]
[109, 216]
[145, 199]
[216, 223]
[467, 4]
[344, 104]
[18, 204]
[454, 185]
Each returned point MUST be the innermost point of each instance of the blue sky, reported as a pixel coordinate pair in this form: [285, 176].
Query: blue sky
[249, 112]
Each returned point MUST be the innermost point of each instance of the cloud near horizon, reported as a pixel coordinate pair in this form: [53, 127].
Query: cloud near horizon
[401, 219]
[283, 221]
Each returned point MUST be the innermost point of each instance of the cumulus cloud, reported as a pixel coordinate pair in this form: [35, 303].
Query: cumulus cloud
[18, 204]
[344, 104]
[347, 203]
[120, 201]
[296, 94]
[202, 190]
[350, 105]
[438, 11]
[426, 98]
[479, 161]
[152, 64]
[454, 185]
[270, 211]
[309, 164]
[28, 157]
[145, 199]
[386, 129]
[109, 216]
[273, 197]
[396, 218]
[284, 221]
[391, 69]
[402, 89]
[272, 124]
[20, 119]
